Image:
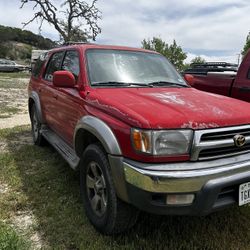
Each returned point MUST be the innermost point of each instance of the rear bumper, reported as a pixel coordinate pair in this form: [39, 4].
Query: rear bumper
[215, 184]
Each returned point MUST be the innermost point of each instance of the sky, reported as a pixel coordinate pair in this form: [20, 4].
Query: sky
[214, 29]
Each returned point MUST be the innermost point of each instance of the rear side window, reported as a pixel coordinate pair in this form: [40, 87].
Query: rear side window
[36, 70]
[54, 65]
[71, 62]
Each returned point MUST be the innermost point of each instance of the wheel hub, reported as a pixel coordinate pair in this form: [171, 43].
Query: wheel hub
[96, 189]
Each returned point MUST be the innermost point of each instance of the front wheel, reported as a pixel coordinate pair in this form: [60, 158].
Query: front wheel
[107, 213]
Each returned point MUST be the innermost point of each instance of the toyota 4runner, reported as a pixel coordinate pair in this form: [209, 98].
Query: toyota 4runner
[142, 138]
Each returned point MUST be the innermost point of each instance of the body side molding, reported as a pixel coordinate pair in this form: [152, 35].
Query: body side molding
[101, 131]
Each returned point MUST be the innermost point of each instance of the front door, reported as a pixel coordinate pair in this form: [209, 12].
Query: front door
[48, 93]
[68, 102]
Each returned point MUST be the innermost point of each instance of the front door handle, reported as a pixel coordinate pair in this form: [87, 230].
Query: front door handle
[244, 89]
[55, 97]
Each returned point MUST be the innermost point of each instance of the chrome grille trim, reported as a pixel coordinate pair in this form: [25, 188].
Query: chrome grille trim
[199, 145]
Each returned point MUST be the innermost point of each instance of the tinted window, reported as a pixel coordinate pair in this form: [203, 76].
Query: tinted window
[38, 65]
[71, 62]
[54, 65]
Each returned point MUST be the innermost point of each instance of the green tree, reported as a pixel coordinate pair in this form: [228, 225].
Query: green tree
[247, 45]
[173, 52]
[198, 59]
[8, 34]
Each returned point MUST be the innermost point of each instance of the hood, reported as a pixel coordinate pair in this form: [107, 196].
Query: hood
[162, 108]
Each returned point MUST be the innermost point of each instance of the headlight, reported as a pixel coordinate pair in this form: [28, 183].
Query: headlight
[163, 142]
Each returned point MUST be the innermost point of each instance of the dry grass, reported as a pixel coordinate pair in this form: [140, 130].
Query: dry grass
[40, 199]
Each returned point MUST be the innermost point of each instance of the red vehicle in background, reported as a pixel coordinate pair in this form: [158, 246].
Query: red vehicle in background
[222, 78]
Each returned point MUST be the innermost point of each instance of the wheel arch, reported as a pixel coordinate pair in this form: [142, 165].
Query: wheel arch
[91, 129]
[35, 100]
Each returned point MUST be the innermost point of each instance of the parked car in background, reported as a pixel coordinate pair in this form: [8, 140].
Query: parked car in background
[11, 66]
[222, 78]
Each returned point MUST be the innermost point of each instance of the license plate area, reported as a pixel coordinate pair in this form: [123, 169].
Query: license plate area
[244, 193]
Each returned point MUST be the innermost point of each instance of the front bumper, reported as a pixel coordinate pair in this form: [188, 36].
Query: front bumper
[214, 183]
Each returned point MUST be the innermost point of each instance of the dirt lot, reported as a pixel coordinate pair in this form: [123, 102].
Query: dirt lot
[13, 100]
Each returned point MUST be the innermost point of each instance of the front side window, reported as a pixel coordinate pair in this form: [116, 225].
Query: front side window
[54, 65]
[71, 62]
[119, 66]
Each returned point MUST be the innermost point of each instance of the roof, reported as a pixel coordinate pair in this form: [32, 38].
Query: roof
[86, 46]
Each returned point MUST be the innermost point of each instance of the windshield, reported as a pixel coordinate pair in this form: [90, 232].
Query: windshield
[128, 67]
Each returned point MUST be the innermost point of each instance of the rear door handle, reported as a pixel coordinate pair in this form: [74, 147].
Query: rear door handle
[244, 89]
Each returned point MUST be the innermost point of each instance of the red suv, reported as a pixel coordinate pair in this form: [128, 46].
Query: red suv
[142, 138]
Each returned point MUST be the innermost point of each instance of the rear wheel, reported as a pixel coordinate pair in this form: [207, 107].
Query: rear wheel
[104, 209]
[36, 128]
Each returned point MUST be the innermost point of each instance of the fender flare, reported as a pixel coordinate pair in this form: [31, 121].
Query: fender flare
[101, 131]
[35, 97]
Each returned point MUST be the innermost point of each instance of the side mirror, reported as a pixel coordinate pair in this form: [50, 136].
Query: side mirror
[190, 79]
[64, 79]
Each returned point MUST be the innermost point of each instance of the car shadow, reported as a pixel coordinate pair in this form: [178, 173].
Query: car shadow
[52, 191]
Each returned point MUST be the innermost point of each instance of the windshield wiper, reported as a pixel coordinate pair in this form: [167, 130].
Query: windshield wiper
[165, 83]
[110, 83]
[114, 83]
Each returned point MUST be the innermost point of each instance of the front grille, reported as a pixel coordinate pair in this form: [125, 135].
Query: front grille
[219, 143]
[220, 152]
[224, 135]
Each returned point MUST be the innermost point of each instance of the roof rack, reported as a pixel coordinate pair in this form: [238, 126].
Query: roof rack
[213, 64]
[204, 68]
[74, 43]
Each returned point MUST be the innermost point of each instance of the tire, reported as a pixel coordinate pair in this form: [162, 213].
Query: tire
[38, 139]
[107, 213]
[16, 70]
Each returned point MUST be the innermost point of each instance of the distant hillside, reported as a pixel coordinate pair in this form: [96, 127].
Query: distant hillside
[17, 44]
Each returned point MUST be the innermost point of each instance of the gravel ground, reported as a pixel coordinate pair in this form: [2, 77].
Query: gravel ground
[13, 102]
[15, 120]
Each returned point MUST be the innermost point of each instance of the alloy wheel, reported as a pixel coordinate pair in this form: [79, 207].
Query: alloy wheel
[96, 189]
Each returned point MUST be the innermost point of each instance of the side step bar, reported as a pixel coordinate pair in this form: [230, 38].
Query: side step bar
[62, 147]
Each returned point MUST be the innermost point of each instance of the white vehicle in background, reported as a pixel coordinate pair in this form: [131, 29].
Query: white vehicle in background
[11, 66]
